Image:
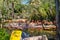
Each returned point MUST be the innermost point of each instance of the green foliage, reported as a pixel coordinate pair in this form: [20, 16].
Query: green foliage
[18, 8]
[4, 34]
[44, 9]
[36, 9]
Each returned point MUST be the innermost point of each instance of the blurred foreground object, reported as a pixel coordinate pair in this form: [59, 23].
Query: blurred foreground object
[16, 35]
[44, 37]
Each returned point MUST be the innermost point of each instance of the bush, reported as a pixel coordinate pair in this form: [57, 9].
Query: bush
[4, 34]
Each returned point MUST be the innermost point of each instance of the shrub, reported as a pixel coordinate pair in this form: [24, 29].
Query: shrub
[4, 34]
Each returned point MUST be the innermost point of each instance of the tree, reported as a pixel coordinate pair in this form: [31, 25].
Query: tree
[57, 19]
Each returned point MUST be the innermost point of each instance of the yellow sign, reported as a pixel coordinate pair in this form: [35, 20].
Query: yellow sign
[16, 35]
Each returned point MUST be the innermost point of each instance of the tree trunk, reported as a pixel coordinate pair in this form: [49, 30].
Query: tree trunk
[57, 19]
[13, 9]
[7, 8]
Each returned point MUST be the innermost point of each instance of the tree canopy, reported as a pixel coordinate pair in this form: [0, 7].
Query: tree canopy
[30, 9]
